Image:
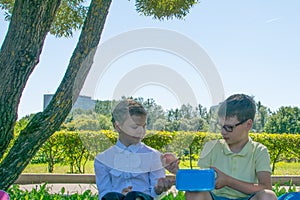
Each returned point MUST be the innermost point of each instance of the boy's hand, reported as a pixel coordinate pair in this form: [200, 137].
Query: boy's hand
[126, 190]
[170, 162]
[163, 184]
[222, 178]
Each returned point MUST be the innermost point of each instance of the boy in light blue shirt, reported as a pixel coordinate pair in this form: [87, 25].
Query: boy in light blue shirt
[130, 169]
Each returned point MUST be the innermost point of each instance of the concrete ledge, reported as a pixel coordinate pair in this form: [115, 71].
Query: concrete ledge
[282, 179]
[55, 178]
[90, 179]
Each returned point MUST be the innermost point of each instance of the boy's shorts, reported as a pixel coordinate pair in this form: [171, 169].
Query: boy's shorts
[215, 197]
[129, 196]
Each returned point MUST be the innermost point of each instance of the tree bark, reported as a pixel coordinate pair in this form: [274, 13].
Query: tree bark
[19, 54]
[44, 124]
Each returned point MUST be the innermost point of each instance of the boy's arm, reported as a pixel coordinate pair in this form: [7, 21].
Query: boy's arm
[154, 176]
[102, 178]
[163, 184]
[264, 182]
[170, 162]
[264, 178]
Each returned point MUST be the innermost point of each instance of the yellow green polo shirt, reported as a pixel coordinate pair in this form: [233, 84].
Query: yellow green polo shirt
[254, 157]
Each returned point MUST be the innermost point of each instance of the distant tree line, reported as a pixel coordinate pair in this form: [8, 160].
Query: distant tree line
[186, 118]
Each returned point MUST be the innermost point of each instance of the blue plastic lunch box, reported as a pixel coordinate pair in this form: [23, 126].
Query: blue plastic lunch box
[195, 180]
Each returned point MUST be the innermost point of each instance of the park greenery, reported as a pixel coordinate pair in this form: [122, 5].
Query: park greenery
[31, 139]
[30, 23]
[85, 133]
[186, 118]
[76, 148]
[183, 131]
[43, 193]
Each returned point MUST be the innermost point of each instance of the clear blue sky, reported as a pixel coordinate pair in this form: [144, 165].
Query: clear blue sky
[254, 45]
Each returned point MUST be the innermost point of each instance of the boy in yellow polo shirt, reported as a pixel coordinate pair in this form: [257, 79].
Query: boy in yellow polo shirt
[242, 166]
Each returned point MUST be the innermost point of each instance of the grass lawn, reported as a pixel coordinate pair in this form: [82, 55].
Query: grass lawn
[284, 168]
[281, 168]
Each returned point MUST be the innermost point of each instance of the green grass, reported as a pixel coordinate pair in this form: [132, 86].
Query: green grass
[59, 169]
[282, 168]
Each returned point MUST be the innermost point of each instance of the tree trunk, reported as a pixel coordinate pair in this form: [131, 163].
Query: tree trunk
[20, 51]
[44, 124]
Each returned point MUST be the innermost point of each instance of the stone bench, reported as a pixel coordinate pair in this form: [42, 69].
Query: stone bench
[90, 179]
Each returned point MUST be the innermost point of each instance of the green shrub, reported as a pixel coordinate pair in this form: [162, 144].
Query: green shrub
[75, 148]
[171, 196]
[42, 193]
[279, 190]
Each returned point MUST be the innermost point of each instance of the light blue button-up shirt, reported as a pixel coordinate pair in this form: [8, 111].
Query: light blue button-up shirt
[119, 166]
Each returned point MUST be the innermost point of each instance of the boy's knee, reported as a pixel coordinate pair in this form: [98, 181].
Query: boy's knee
[137, 196]
[197, 196]
[113, 196]
[265, 195]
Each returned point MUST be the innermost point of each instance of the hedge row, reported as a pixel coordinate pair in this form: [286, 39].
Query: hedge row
[75, 148]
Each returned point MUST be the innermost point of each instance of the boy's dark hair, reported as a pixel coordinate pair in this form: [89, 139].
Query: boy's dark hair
[240, 105]
[125, 107]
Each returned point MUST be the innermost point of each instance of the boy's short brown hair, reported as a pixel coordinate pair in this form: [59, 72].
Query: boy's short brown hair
[125, 107]
[240, 105]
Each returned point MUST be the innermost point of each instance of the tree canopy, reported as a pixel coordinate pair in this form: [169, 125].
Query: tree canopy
[285, 120]
[71, 14]
[185, 118]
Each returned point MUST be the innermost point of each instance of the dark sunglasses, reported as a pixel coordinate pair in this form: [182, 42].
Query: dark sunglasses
[229, 128]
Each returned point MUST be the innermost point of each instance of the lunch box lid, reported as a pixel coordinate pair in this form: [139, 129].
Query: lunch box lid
[195, 180]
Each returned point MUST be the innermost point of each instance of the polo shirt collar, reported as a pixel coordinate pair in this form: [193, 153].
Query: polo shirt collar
[243, 152]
